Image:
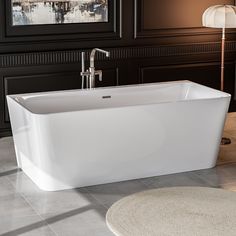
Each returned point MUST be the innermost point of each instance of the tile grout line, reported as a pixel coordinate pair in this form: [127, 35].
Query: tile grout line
[203, 180]
[97, 200]
[39, 215]
[107, 207]
[146, 185]
[36, 212]
[218, 185]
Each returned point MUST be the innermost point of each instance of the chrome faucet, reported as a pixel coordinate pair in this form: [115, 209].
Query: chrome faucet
[91, 73]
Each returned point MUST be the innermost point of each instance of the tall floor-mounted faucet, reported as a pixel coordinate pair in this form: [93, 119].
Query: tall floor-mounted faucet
[91, 73]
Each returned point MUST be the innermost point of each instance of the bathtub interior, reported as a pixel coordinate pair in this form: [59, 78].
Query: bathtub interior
[100, 98]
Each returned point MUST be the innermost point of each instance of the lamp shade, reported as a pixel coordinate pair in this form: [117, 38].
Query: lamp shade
[220, 16]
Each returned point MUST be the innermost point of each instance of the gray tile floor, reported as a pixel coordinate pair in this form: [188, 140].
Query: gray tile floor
[26, 210]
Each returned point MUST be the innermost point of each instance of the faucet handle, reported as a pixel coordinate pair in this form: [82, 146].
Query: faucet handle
[82, 68]
[85, 73]
[99, 73]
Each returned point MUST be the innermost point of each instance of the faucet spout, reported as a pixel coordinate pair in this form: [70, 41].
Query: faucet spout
[93, 52]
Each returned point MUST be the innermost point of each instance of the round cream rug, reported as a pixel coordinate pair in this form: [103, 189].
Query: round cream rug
[177, 211]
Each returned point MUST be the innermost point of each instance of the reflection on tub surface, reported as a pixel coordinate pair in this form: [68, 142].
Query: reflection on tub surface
[77, 138]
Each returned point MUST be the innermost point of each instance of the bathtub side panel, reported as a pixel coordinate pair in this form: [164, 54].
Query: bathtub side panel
[101, 146]
[21, 124]
[30, 147]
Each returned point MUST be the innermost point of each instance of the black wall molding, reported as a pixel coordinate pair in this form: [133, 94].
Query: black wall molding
[65, 57]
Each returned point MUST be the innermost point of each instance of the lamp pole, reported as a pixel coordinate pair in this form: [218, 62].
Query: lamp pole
[224, 140]
[222, 60]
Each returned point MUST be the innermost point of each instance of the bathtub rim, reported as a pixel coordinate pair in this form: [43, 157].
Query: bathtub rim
[14, 96]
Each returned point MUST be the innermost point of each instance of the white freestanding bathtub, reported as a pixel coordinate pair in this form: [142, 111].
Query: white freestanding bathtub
[76, 138]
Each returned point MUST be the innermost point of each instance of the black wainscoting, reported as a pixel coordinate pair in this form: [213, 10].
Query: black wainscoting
[148, 41]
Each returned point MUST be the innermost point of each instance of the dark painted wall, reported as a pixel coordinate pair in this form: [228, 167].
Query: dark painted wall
[149, 40]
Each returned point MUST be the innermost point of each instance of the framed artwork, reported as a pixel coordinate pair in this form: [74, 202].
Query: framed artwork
[42, 12]
[80, 19]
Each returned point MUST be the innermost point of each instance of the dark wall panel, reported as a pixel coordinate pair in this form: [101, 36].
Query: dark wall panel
[41, 82]
[178, 18]
[203, 73]
[175, 13]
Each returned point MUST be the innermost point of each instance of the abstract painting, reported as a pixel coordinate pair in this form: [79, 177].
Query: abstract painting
[40, 12]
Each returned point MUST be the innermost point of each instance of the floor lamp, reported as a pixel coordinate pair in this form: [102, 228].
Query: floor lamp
[221, 16]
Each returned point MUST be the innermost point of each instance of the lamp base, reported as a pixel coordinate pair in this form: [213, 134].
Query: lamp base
[225, 141]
